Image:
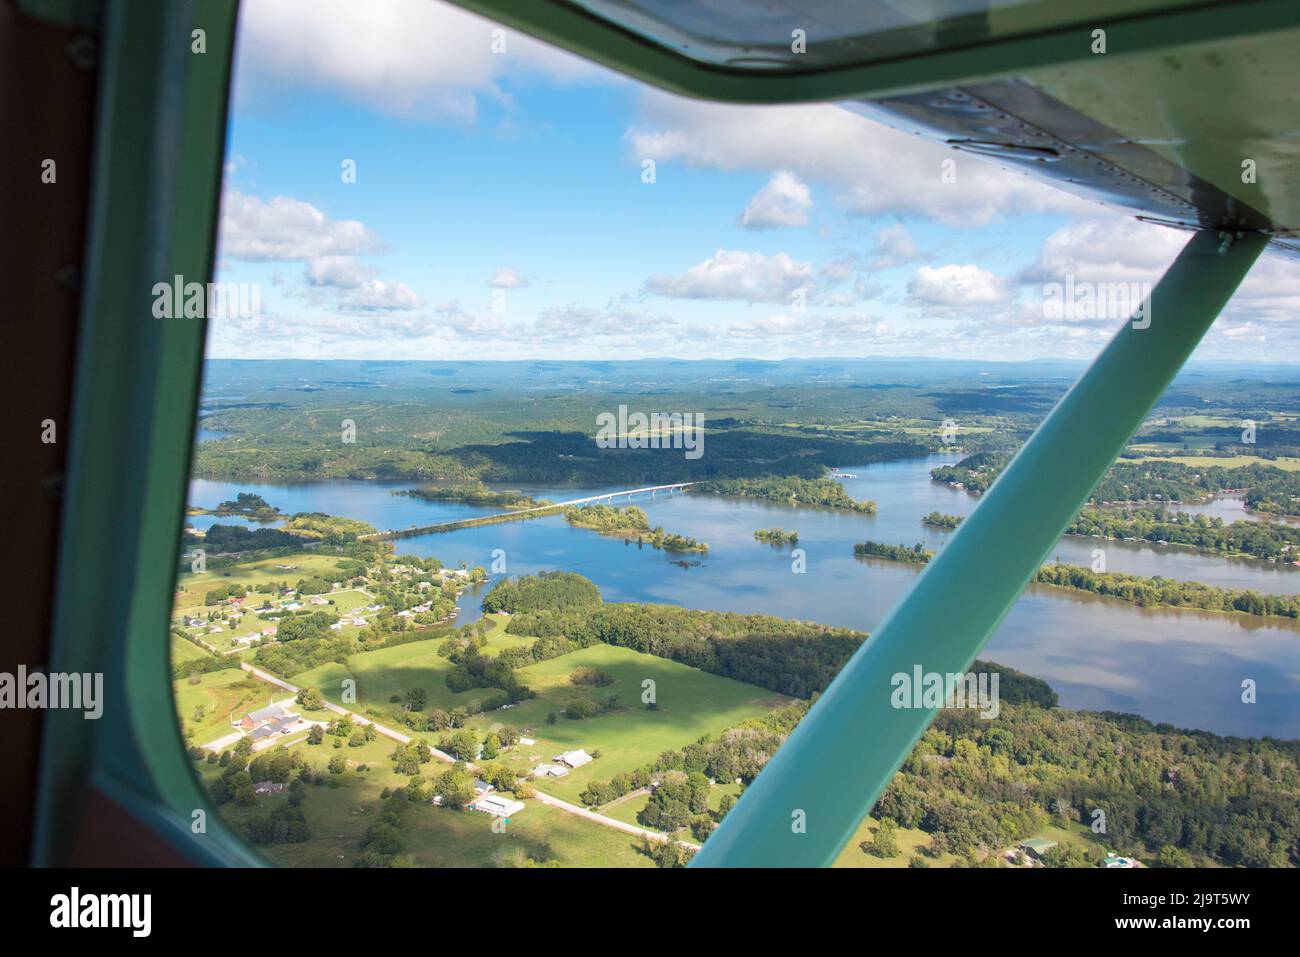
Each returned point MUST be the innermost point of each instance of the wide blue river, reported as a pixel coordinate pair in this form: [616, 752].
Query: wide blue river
[1182, 667]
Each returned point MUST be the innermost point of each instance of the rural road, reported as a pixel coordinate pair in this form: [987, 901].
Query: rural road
[607, 821]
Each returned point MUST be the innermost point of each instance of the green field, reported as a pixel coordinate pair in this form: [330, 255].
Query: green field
[219, 693]
[1226, 462]
[435, 837]
[394, 671]
[183, 651]
[691, 703]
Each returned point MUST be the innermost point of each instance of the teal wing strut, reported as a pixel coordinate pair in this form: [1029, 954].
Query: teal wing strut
[813, 794]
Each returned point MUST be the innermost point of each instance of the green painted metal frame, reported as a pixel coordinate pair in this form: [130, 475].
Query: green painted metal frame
[836, 763]
[159, 151]
[592, 38]
[157, 179]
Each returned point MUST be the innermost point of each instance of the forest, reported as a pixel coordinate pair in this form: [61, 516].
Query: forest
[1265, 540]
[1169, 592]
[824, 492]
[1267, 489]
[631, 523]
[918, 554]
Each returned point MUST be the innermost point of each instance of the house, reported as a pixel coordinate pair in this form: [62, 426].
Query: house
[269, 630]
[550, 770]
[337, 626]
[528, 742]
[497, 805]
[194, 622]
[482, 787]
[262, 716]
[574, 759]
[1036, 847]
[284, 725]
[269, 787]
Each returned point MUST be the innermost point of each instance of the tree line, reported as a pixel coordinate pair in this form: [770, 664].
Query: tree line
[1169, 592]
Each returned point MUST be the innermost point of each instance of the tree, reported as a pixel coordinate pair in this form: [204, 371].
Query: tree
[1171, 856]
[417, 699]
[316, 734]
[455, 787]
[885, 844]
[491, 746]
[310, 699]
[338, 764]
[463, 745]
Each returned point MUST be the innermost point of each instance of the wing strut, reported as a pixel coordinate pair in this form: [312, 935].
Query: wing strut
[813, 794]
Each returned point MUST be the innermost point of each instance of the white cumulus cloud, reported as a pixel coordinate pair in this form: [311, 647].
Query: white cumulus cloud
[784, 201]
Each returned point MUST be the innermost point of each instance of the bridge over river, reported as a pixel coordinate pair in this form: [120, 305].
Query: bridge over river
[536, 511]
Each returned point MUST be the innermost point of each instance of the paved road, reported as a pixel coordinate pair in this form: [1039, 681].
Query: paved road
[444, 756]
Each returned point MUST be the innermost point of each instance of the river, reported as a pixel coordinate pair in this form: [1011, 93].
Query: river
[1181, 667]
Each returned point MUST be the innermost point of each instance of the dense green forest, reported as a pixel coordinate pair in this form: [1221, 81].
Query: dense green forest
[1266, 488]
[918, 554]
[940, 520]
[475, 494]
[776, 536]
[1266, 540]
[545, 591]
[825, 492]
[229, 539]
[632, 523]
[1169, 592]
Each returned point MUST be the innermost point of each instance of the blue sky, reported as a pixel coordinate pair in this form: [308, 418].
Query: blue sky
[499, 211]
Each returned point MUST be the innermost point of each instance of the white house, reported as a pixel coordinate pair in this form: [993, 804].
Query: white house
[497, 806]
[550, 770]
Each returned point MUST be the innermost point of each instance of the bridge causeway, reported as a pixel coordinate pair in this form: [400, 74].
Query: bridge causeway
[514, 514]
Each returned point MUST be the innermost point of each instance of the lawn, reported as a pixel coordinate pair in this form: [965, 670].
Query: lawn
[691, 703]
[338, 817]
